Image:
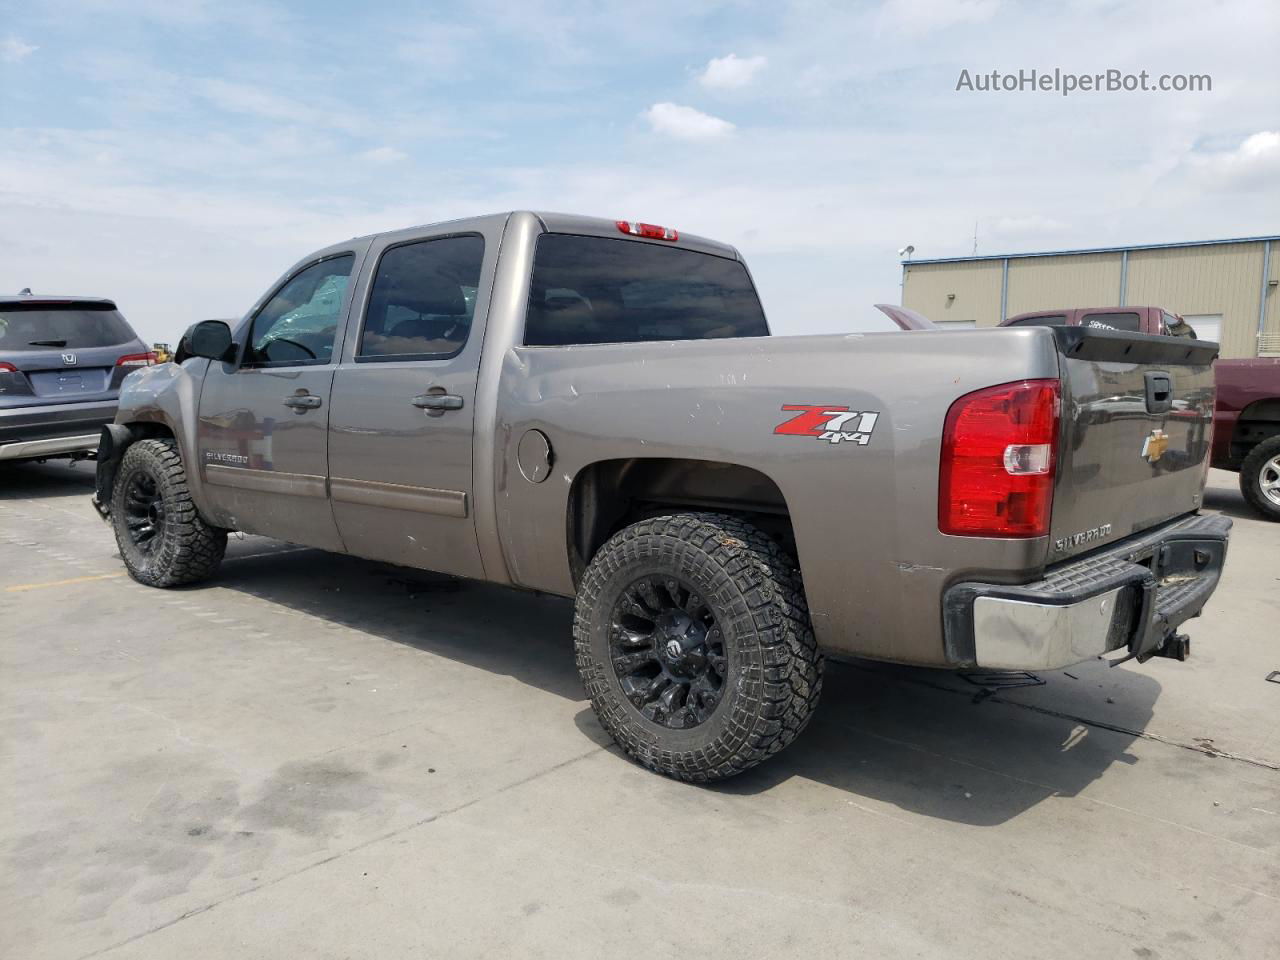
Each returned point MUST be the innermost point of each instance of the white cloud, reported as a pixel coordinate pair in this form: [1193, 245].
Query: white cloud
[686, 123]
[924, 16]
[256, 101]
[13, 50]
[384, 155]
[1254, 163]
[731, 72]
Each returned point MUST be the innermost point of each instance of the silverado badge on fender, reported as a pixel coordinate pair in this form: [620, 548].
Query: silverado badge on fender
[827, 422]
[1155, 445]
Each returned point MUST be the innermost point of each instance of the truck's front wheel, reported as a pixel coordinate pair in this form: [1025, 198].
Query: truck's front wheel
[162, 538]
[694, 644]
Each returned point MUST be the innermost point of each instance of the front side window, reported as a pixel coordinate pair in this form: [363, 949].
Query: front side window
[423, 300]
[602, 290]
[300, 323]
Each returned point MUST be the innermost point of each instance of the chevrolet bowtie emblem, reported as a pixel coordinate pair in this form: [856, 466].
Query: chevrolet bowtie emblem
[1155, 445]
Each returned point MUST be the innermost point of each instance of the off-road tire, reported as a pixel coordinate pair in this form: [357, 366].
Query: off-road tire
[187, 549]
[1251, 478]
[774, 664]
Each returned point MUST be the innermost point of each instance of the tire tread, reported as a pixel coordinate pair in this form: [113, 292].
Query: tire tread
[192, 549]
[1249, 473]
[778, 699]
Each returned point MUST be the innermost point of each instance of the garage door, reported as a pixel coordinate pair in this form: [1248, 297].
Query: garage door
[1208, 326]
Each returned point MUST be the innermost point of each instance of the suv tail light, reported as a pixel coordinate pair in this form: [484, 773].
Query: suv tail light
[8, 368]
[999, 451]
[136, 360]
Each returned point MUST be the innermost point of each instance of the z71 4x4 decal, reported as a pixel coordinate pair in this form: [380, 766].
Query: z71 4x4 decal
[827, 422]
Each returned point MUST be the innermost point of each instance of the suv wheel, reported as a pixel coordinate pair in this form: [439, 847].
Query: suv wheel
[693, 642]
[1260, 478]
[162, 538]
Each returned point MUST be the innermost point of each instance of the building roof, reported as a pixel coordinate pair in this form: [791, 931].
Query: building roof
[1087, 250]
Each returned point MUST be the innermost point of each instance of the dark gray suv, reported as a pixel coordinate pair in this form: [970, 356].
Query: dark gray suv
[62, 360]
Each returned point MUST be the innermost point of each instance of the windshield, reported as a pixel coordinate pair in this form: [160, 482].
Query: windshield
[44, 327]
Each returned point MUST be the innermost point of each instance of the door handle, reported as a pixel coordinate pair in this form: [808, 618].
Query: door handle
[438, 401]
[303, 401]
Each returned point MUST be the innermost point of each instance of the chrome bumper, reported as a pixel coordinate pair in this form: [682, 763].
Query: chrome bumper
[1132, 596]
[52, 447]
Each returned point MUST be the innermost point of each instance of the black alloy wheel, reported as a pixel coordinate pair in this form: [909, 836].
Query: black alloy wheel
[668, 652]
[144, 511]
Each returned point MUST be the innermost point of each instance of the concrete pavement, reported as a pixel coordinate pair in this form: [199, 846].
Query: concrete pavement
[316, 756]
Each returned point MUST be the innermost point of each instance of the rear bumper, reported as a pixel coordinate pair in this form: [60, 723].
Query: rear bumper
[53, 429]
[1130, 597]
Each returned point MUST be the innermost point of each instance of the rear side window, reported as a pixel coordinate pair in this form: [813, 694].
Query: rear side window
[41, 327]
[1113, 321]
[600, 290]
[423, 300]
[1048, 320]
[300, 323]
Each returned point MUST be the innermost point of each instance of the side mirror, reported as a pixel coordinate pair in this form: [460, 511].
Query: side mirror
[210, 339]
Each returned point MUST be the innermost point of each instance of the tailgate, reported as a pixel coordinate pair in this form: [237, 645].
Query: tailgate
[1137, 413]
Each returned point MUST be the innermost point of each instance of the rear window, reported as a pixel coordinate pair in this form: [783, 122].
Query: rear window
[1113, 321]
[41, 327]
[600, 290]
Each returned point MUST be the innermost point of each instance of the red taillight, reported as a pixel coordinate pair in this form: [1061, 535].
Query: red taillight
[136, 360]
[8, 368]
[650, 231]
[999, 451]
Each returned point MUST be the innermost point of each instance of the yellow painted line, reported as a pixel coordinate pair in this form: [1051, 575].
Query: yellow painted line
[61, 583]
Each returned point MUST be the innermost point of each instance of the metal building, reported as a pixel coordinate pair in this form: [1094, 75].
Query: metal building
[1226, 289]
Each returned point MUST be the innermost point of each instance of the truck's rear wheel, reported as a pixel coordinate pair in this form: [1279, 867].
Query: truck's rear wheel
[694, 644]
[162, 538]
[1260, 478]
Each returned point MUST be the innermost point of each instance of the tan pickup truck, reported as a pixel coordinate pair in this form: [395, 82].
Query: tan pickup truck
[595, 408]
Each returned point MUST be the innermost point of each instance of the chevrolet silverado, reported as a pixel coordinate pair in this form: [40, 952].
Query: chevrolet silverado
[597, 409]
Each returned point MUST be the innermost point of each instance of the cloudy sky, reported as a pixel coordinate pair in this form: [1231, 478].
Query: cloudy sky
[177, 155]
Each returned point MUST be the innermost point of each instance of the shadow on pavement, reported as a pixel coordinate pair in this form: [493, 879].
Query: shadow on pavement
[913, 738]
[923, 741]
[37, 481]
[1230, 501]
[510, 632]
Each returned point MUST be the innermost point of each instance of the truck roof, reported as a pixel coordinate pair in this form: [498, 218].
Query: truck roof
[1125, 309]
[576, 223]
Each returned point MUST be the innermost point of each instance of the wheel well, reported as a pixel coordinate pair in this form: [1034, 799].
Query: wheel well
[1257, 422]
[611, 494]
[121, 436]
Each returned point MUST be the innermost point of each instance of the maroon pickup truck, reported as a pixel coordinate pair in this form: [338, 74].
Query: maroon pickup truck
[1246, 429]
[1129, 319]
